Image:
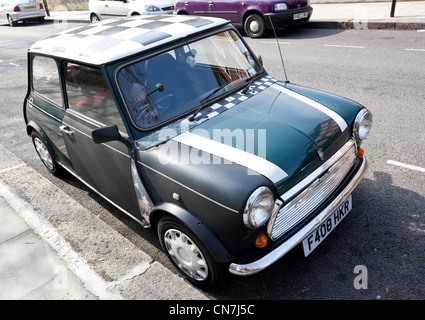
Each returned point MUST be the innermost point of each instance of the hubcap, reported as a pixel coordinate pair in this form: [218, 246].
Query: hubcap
[186, 254]
[43, 153]
[254, 26]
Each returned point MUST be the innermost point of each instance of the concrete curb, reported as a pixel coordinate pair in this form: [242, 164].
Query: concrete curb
[371, 25]
[108, 265]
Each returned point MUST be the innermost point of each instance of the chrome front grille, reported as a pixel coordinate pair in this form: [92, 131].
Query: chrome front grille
[312, 196]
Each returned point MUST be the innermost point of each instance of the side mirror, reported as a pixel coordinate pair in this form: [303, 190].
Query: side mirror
[106, 134]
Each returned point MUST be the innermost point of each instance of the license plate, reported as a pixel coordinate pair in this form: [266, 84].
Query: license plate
[317, 236]
[29, 8]
[301, 15]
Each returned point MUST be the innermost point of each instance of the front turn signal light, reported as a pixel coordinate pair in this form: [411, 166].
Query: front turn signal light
[261, 241]
[360, 152]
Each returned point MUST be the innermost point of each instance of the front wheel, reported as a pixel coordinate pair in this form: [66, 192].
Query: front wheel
[188, 254]
[254, 26]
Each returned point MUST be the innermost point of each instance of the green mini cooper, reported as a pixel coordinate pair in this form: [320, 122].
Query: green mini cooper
[174, 120]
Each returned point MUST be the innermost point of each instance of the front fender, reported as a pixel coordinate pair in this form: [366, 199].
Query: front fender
[211, 242]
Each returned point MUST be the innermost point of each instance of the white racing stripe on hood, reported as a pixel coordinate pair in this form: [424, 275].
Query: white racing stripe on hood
[335, 116]
[243, 158]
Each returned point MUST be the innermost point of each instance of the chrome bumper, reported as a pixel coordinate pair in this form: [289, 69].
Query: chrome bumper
[284, 248]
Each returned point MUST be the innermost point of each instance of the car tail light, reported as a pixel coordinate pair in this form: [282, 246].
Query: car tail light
[41, 6]
[16, 9]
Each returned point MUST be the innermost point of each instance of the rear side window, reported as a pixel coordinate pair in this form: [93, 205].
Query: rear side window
[89, 94]
[45, 79]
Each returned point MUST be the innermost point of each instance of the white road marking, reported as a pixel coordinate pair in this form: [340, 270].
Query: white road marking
[342, 46]
[412, 49]
[274, 42]
[405, 165]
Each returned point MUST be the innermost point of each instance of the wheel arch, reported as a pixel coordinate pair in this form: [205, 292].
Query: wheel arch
[250, 12]
[211, 242]
[31, 126]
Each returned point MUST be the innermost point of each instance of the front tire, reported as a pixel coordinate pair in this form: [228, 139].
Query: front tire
[254, 26]
[188, 254]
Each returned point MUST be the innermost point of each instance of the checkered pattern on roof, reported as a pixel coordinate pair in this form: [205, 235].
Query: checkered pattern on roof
[114, 39]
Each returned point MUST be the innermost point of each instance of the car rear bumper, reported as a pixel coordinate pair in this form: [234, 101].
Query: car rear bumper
[285, 247]
[286, 18]
[27, 15]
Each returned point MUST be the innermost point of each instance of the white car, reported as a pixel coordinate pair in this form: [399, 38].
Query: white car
[13, 11]
[101, 9]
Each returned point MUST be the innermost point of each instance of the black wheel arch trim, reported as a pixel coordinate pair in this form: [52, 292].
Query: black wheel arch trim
[33, 126]
[210, 241]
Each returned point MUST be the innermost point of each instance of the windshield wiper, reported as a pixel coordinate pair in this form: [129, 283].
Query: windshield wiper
[202, 102]
[245, 90]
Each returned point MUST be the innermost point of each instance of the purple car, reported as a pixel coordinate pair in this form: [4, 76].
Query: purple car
[256, 17]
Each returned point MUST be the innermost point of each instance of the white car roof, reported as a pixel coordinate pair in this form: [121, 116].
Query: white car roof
[111, 40]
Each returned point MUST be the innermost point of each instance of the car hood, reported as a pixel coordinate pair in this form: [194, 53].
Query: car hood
[277, 133]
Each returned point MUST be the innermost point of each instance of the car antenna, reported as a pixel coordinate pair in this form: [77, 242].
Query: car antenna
[280, 52]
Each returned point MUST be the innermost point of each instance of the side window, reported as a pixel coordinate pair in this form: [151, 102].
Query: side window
[45, 79]
[89, 94]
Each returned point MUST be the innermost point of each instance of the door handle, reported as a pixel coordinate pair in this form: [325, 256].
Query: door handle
[210, 3]
[66, 130]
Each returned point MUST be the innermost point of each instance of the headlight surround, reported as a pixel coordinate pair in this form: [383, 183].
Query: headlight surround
[152, 8]
[362, 124]
[280, 7]
[258, 208]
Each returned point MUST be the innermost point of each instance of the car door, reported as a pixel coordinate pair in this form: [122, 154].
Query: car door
[224, 9]
[196, 7]
[115, 8]
[105, 167]
[45, 103]
[3, 12]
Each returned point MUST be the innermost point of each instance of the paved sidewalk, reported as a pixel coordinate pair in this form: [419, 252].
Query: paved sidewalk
[408, 15]
[57, 249]
[29, 268]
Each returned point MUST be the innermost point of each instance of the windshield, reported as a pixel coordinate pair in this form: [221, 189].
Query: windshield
[162, 88]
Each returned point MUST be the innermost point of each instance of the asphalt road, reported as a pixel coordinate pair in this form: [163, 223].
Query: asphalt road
[377, 252]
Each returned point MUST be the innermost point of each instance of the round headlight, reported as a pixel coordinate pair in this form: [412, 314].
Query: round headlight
[151, 8]
[362, 125]
[258, 208]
